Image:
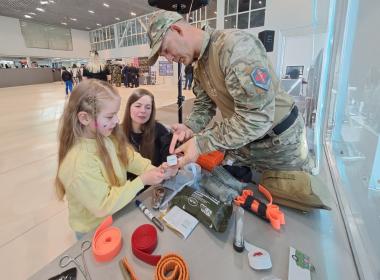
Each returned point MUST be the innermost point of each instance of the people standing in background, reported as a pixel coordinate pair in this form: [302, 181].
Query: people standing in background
[116, 75]
[137, 76]
[67, 78]
[188, 76]
[93, 158]
[76, 74]
[125, 73]
[80, 77]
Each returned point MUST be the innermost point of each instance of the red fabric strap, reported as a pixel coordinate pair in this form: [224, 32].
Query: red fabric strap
[144, 241]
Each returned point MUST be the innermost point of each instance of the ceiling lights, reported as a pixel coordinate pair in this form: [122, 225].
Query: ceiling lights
[44, 2]
[106, 5]
[98, 24]
[64, 23]
[117, 18]
[91, 11]
[40, 9]
[73, 19]
[27, 16]
[133, 14]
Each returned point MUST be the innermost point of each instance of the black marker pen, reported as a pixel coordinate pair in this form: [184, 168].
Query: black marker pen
[149, 214]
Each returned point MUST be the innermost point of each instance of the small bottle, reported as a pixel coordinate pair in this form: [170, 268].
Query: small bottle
[239, 230]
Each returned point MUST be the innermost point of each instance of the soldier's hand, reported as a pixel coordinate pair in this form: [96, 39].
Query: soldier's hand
[190, 152]
[180, 133]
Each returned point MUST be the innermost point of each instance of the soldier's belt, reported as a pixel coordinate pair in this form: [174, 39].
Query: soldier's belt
[282, 126]
[268, 212]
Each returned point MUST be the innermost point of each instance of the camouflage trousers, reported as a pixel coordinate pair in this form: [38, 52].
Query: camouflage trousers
[287, 151]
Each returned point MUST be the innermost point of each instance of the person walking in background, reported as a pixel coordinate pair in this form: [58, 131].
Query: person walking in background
[188, 76]
[67, 78]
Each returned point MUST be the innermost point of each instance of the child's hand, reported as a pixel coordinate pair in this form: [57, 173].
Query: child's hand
[153, 176]
[169, 171]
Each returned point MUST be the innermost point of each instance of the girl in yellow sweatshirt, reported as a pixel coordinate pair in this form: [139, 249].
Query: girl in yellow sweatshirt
[94, 158]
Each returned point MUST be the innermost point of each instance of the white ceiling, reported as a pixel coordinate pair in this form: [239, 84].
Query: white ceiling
[57, 12]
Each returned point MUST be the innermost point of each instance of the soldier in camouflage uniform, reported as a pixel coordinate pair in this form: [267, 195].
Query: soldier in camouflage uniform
[261, 126]
[116, 75]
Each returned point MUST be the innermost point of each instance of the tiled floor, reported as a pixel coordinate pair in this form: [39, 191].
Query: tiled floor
[33, 224]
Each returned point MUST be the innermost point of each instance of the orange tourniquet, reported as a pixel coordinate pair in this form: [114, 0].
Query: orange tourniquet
[210, 160]
[144, 241]
[269, 212]
[107, 241]
[127, 269]
[172, 267]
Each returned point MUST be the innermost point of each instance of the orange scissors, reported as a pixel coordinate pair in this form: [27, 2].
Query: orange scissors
[268, 212]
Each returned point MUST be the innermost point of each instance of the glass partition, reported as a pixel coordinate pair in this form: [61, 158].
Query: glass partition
[353, 130]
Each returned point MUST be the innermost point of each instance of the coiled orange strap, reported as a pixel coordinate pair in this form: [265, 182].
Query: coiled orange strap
[172, 267]
[107, 241]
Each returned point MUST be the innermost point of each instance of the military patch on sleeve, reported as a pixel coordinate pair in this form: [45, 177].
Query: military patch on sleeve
[261, 78]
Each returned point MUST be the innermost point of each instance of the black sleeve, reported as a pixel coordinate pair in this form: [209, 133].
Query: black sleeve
[163, 139]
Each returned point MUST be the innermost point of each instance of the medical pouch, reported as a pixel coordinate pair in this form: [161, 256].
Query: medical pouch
[207, 209]
[292, 189]
[217, 189]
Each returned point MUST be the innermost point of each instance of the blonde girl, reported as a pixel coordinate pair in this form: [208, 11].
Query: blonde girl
[93, 158]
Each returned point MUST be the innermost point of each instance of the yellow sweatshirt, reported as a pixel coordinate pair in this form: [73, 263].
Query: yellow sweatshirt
[89, 193]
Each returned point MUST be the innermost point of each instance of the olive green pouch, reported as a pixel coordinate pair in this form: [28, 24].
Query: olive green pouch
[292, 189]
[207, 209]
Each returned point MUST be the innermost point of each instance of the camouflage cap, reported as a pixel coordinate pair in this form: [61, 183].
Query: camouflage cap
[158, 25]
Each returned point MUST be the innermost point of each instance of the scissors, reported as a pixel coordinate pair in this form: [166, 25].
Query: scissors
[66, 260]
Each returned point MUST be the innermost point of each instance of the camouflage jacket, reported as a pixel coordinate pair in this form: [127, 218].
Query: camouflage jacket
[234, 75]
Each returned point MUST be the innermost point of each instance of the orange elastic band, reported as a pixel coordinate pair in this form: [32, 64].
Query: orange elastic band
[172, 267]
[107, 241]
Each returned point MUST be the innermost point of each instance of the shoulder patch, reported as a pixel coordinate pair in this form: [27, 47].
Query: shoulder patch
[261, 78]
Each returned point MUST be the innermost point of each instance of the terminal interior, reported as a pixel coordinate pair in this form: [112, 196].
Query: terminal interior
[324, 52]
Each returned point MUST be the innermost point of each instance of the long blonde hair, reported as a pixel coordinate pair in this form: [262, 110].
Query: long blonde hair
[88, 96]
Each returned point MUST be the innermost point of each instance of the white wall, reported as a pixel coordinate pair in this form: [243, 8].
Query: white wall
[12, 42]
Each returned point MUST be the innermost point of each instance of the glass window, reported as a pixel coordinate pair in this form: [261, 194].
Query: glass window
[257, 18]
[230, 7]
[230, 22]
[243, 21]
[243, 5]
[355, 131]
[129, 40]
[133, 27]
[145, 39]
[138, 26]
[257, 4]
[211, 9]
[212, 23]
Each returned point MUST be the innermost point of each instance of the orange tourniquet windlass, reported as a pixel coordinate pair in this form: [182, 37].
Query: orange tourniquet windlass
[144, 241]
[107, 241]
[172, 267]
[269, 212]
